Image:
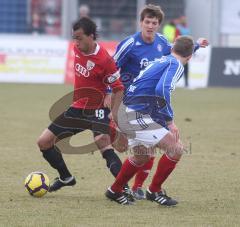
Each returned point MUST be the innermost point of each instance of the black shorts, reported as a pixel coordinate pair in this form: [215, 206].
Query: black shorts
[74, 120]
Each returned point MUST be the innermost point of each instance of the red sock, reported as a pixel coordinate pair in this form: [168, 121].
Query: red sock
[127, 171]
[164, 168]
[142, 174]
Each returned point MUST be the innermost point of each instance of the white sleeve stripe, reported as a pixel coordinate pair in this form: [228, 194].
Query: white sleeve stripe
[180, 74]
[177, 76]
[123, 47]
[165, 76]
[161, 36]
[174, 80]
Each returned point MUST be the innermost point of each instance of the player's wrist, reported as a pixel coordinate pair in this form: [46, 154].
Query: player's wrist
[170, 122]
[108, 90]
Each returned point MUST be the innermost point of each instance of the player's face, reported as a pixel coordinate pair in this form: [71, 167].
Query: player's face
[82, 41]
[149, 27]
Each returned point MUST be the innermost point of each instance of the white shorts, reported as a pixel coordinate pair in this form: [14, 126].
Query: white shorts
[140, 129]
[147, 138]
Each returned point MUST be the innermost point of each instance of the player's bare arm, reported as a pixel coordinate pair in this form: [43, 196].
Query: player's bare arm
[116, 99]
[107, 101]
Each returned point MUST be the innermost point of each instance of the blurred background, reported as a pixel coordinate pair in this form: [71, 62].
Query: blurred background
[36, 70]
[42, 28]
[217, 20]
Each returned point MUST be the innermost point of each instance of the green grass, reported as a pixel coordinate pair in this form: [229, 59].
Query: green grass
[206, 181]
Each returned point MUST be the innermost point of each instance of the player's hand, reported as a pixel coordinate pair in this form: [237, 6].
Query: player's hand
[202, 42]
[121, 142]
[174, 130]
[107, 101]
[113, 117]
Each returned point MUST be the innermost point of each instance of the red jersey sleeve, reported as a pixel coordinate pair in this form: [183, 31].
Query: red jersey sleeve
[112, 76]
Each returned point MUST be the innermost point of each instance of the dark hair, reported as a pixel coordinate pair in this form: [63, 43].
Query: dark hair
[152, 11]
[183, 46]
[87, 25]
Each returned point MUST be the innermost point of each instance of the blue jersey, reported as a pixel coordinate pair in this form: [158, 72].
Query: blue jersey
[134, 55]
[150, 92]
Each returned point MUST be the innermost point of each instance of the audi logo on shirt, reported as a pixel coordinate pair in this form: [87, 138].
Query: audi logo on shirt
[82, 70]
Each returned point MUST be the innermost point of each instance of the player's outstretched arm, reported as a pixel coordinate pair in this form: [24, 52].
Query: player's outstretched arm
[202, 42]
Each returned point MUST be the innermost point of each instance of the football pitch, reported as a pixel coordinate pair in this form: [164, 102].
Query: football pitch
[206, 182]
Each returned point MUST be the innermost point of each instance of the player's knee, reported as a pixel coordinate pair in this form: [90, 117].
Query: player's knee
[176, 151]
[44, 143]
[46, 140]
[140, 159]
[141, 155]
[102, 141]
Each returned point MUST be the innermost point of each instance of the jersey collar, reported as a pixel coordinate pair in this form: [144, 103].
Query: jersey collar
[95, 52]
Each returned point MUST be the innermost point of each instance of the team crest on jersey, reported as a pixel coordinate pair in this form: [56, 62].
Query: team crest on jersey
[159, 47]
[90, 65]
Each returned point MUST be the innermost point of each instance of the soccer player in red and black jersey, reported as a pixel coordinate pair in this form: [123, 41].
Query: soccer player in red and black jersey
[94, 71]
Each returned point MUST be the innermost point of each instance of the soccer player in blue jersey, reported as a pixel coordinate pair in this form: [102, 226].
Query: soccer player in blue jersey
[134, 54]
[147, 119]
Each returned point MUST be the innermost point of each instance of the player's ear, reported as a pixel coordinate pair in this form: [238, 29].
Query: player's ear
[189, 57]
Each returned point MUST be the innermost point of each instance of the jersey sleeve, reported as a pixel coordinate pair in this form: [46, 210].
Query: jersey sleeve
[122, 53]
[196, 47]
[112, 77]
[166, 85]
[166, 46]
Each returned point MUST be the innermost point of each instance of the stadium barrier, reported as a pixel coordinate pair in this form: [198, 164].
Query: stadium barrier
[225, 67]
[48, 60]
[32, 60]
[27, 59]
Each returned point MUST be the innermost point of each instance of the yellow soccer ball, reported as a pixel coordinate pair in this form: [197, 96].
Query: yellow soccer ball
[37, 184]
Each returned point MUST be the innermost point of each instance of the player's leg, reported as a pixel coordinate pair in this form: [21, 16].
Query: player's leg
[136, 130]
[113, 162]
[67, 124]
[173, 152]
[140, 177]
[130, 167]
[100, 128]
[53, 156]
[128, 170]
[150, 138]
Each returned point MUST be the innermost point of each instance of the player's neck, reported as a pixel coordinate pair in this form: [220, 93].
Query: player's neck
[181, 59]
[147, 39]
[91, 49]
